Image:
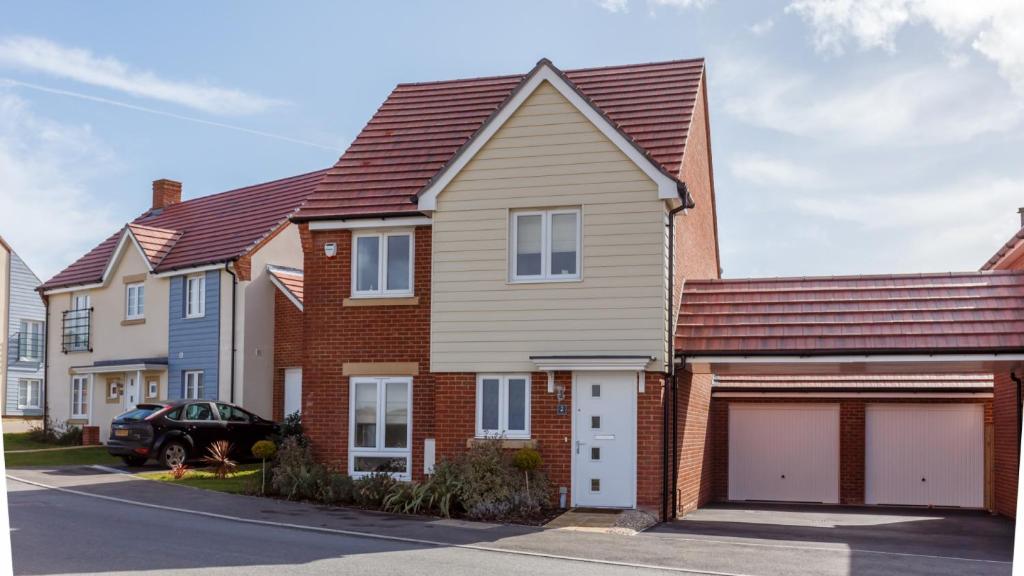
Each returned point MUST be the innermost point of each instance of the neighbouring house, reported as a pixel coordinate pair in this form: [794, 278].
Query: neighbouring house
[178, 303]
[504, 257]
[23, 316]
[1008, 400]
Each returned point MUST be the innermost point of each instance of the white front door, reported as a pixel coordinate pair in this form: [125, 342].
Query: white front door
[132, 391]
[784, 452]
[292, 390]
[925, 455]
[604, 451]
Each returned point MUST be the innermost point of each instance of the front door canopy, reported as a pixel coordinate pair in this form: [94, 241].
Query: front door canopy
[917, 323]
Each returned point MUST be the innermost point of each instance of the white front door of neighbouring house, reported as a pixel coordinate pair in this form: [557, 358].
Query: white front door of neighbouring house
[604, 435]
[292, 390]
[132, 391]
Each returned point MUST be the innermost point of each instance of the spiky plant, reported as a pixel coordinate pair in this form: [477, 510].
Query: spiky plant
[179, 470]
[218, 458]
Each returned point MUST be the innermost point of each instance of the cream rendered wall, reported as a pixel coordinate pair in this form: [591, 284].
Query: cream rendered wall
[224, 362]
[547, 155]
[109, 338]
[256, 342]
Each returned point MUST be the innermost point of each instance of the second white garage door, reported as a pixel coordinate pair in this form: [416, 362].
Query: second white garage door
[784, 452]
[925, 455]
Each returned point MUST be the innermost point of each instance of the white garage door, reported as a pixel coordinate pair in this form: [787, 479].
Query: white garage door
[925, 455]
[784, 452]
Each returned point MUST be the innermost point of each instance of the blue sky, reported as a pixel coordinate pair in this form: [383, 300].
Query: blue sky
[847, 137]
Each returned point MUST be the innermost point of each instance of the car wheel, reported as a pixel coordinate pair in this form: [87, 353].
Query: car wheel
[173, 454]
[134, 460]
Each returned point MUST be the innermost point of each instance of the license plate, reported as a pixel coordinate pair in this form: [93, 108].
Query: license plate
[120, 432]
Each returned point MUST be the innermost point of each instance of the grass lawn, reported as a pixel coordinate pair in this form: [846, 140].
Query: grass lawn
[199, 478]
[69, 457]
[20, 441]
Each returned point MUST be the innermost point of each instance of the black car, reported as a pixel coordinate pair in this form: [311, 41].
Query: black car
[176, 431]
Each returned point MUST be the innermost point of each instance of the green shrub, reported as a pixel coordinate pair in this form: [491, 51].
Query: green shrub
[295, 474]
[43, 433]
[264, 449]
[70, 435]
[56, 432]
[370, 491]
[336, 488]
[526, 459]
[292, 427]
[492, 488]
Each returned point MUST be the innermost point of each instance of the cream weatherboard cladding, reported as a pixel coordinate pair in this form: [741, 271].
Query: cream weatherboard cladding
[547, 155]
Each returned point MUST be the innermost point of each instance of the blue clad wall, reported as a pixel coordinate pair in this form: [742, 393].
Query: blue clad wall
[194, 343]
[25, 304]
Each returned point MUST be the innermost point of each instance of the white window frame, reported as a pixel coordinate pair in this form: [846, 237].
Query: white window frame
[545, 249]
[502, 430]
[153, 388]
[382, 268]
[200, 310]
[80, 386]
[379, 451]
[113, 387]
[139, 301]
[27, 384]
[26, 331]
[197, 382]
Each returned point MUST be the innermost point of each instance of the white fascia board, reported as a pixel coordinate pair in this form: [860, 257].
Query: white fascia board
[667, 187]
[184, 271]
[76, 288]
[288, 293]
[118, 368]
[878, 395]
[610, 364]
[126, 237]
[364, 223]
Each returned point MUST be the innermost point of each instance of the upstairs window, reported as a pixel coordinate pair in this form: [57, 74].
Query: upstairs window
[135, 301]
[545, 245]
[195, 296]
[382, 264]
[30, 341]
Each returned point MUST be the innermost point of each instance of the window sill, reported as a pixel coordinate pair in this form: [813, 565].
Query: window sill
[382, 301]
[133, 321]
[78, 420]
[506, 443]
[544, 281]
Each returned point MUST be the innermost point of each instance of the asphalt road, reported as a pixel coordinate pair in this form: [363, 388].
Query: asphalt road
[58, 533]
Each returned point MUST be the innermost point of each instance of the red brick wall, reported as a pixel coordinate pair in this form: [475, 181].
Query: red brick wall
[334, 334]
[697, 245]
[694, 485]
[287, 346]
[1005, 469]
[851, 440]
[650, 479]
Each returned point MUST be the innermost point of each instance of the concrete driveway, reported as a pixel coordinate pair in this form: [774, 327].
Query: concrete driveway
[869, 540]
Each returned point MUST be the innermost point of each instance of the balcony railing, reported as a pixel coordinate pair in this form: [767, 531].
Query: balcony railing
[30, 346]
[77, 327]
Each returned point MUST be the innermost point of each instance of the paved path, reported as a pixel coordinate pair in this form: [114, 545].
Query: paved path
[88, 527]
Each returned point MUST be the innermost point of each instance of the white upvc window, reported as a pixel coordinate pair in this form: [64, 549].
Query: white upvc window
[113, 389]
[503, 405]
[79, 396]
[135, 301]
[29, 393]
[382, 264]
[380, 434]
[30, 343]
[544, 245]
[195, 296]
[193, 384]
[153, 388]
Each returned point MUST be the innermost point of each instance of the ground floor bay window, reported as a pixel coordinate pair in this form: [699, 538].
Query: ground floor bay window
[380, 431]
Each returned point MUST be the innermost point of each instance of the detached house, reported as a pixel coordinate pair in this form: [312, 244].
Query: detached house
[23, 318]
[504, 257]
[178, 303]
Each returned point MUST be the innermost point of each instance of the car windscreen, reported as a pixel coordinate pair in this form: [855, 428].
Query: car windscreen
[139, 413]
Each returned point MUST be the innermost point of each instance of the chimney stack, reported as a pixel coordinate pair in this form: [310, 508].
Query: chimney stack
[165, 193]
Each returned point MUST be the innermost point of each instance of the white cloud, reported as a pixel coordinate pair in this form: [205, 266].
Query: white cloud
[922, 106]
[766, 171]
[42, 55]
[614, 6]
[761, 28]
[991, 27]
[48, 216]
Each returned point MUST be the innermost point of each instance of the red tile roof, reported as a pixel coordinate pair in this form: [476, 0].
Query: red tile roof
[859, 382]
[206, 230]
[963, 312]
[995, 262]
[419, 128]
[289, 280]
